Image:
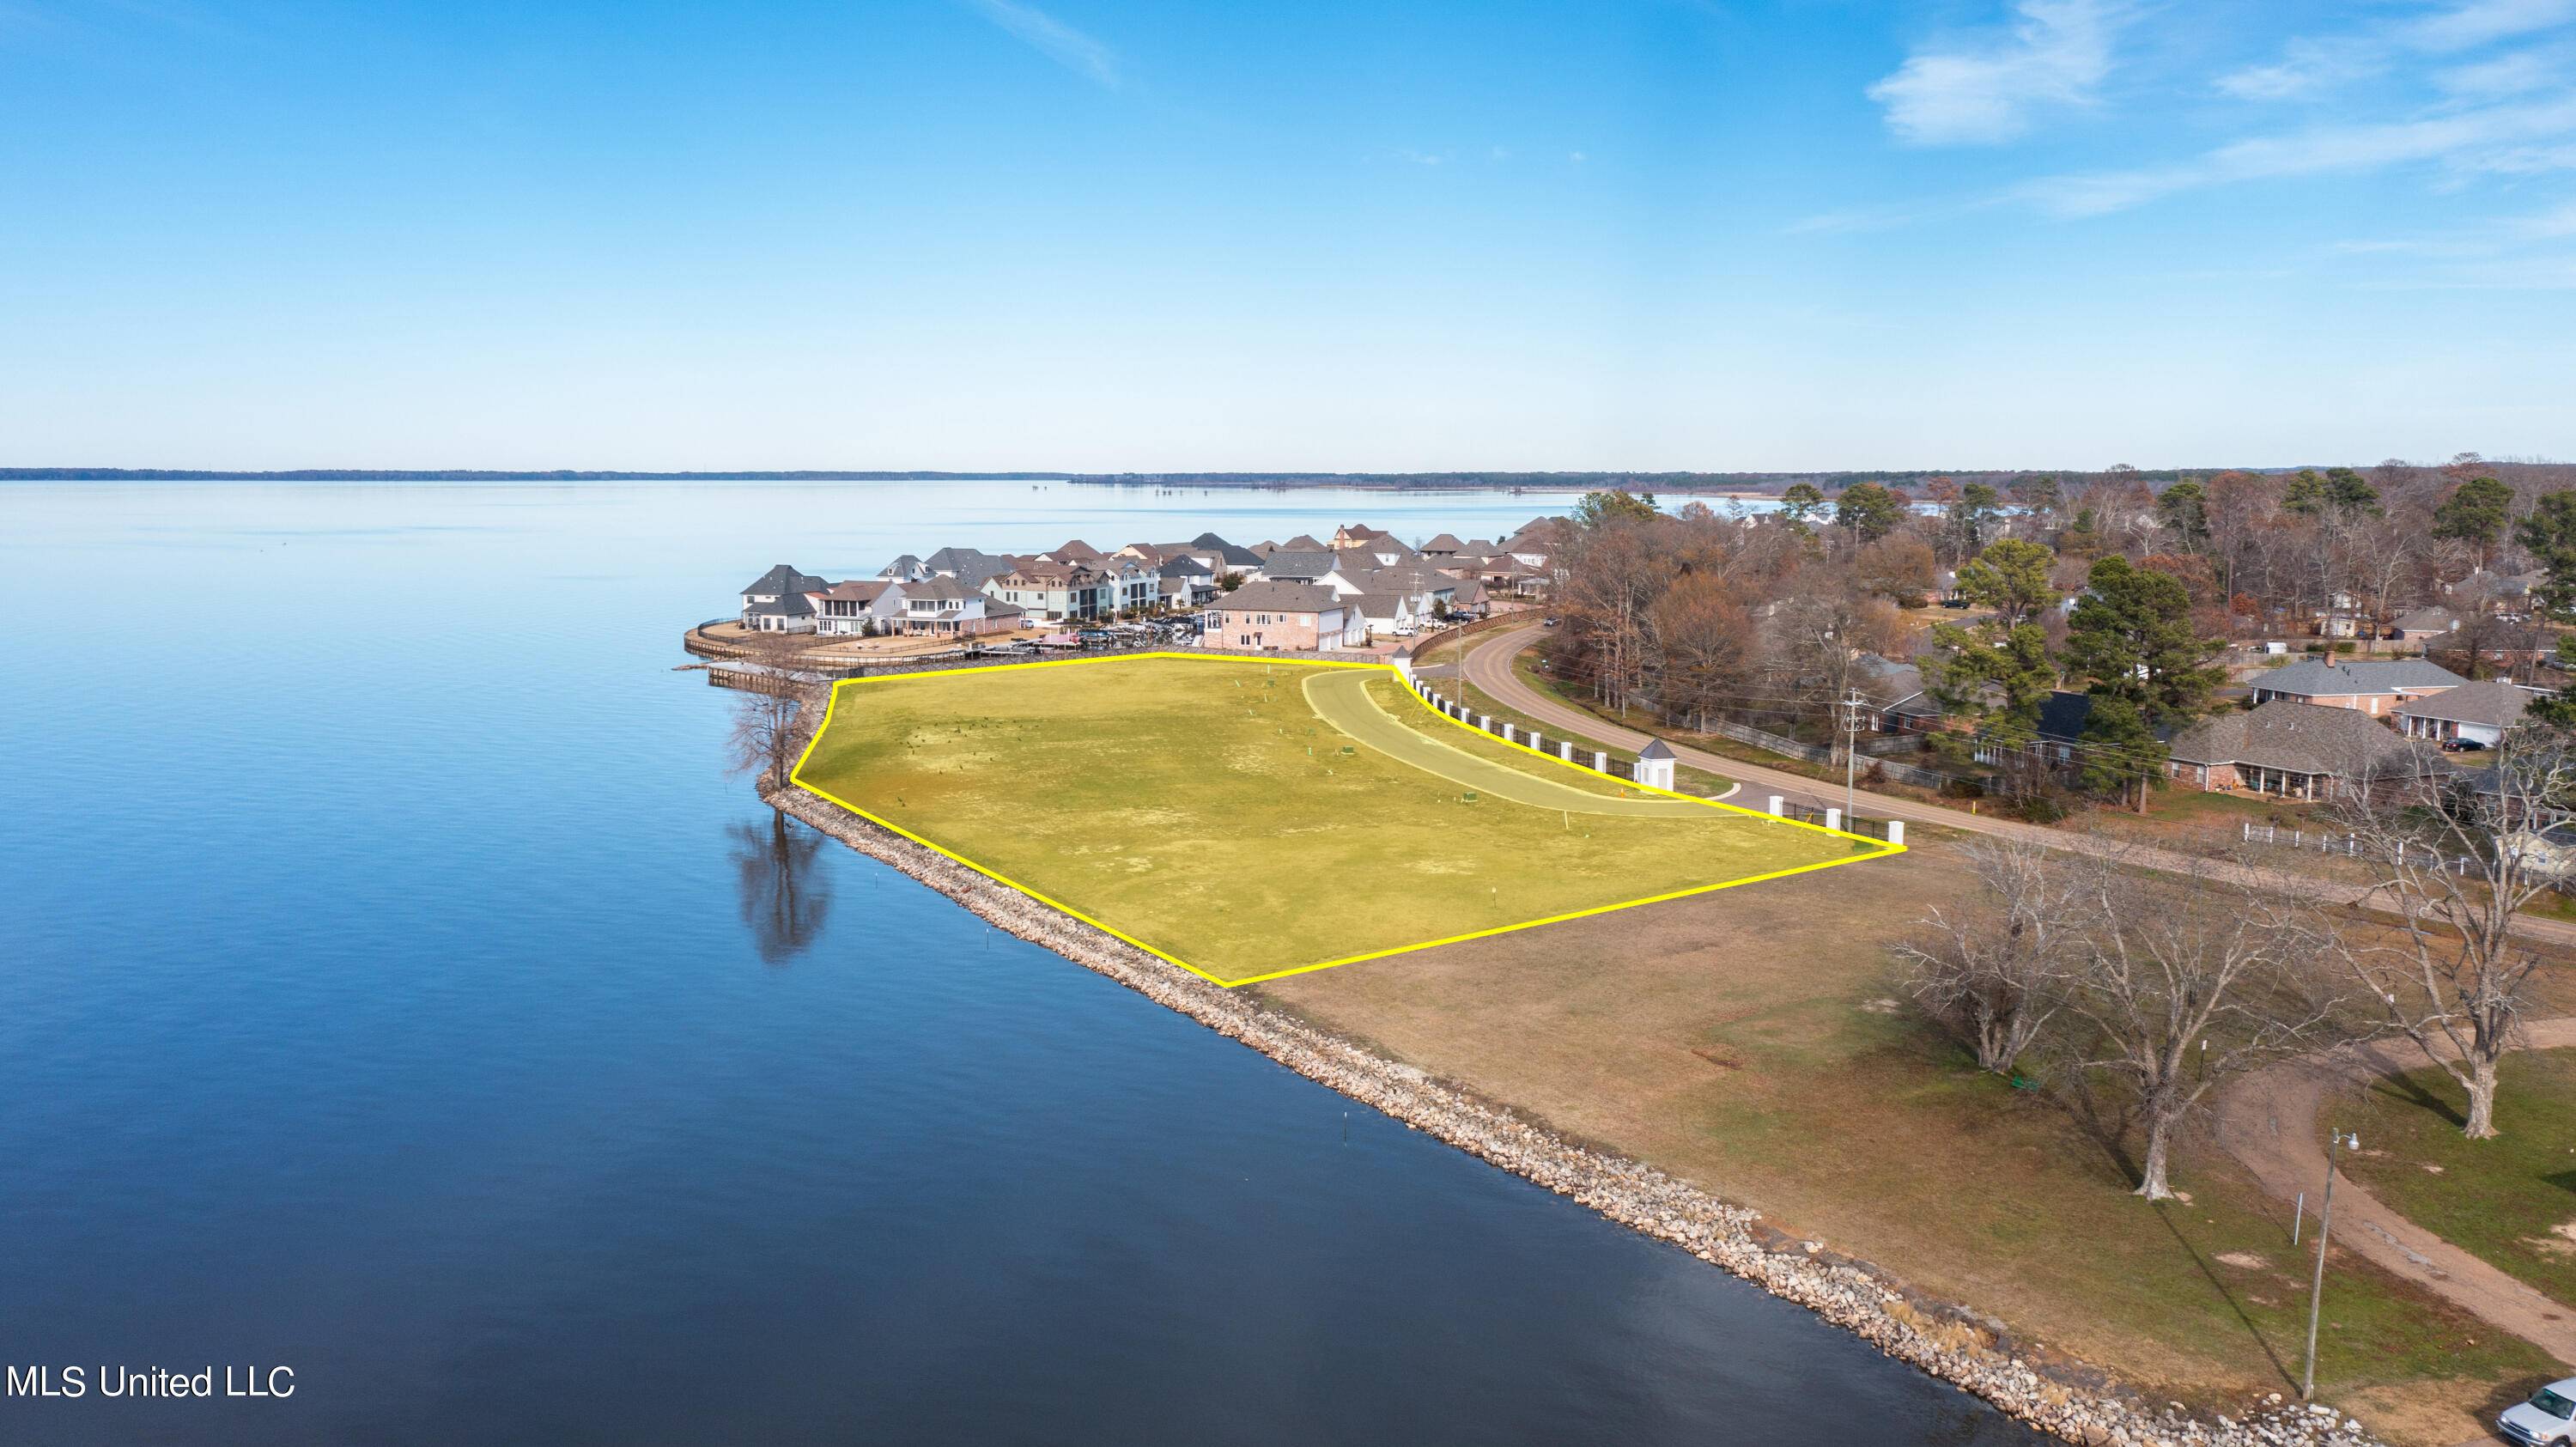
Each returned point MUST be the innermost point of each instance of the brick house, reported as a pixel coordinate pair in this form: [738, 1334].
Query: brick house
[1296, 617]
[2294, 750]
[2373, 687]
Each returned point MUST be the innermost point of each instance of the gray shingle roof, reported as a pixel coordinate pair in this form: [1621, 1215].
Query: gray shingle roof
[783, 580]
[2427, 620]
[1655, 749]
[2317, 678]
[2493, 702]
[1299, 564]
[1277, 597]
[2304, 738]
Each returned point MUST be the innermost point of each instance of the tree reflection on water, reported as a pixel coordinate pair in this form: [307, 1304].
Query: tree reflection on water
[784, 897]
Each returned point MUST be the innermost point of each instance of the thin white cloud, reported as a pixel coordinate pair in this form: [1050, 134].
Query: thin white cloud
[1054, 39]
[2515, 73]
[2482, 22]
[2314, 65]
[2306, 67]
[2465, 138]
[2054, 54]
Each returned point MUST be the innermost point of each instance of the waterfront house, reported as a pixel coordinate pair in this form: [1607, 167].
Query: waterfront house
[1187, 580]
[775, 602]
[1226, 557]
[859, 606]
[1134, 586]
[2295, 750]
[2370, 686]
[1442, 545]
[946, 607]
[1055, 592]
[970, 566]
[2478, 713]
[1295, 617]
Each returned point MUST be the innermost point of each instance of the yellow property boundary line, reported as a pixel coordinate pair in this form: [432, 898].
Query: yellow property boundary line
[1881, 848]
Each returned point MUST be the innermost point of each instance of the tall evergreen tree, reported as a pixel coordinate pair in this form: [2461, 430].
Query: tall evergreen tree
[2475, 514]
[2549, 535]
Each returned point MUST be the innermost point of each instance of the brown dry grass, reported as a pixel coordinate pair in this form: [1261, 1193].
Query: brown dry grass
[1751, 1042]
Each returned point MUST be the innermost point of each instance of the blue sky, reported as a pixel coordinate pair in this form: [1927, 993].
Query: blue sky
[1085, 234]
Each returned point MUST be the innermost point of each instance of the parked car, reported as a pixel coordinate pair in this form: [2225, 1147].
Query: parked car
[1547, 622]
[2550, 1415]
[2462, 746]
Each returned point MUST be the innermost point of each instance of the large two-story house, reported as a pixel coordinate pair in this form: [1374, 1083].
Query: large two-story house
[859, 606]
[944, 606]
[1054, 592]
[775, 602]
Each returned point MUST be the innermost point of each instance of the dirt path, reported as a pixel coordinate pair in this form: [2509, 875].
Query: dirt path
[1489, 667]
[2268, 1122]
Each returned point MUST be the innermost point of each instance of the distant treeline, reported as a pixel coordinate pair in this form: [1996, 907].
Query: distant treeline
[387, 474]
[1635, 482]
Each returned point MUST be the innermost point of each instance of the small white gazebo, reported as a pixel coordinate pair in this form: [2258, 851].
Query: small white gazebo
[1655, 765]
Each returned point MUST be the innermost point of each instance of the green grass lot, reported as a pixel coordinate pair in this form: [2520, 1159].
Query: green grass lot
[1205, 808]
[2510, 1200]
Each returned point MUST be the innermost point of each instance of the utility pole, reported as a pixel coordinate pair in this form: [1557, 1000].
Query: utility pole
[1852, 704]
[2325, 1228]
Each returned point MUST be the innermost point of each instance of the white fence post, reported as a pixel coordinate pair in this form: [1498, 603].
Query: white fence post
[1777, 805]
[1895, 831]
[1507, 734]
[1565, 750]
[1600, 762]
[1485, 721]
[1833, 818]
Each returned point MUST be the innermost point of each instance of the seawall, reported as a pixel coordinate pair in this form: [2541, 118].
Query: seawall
[2068, 1399]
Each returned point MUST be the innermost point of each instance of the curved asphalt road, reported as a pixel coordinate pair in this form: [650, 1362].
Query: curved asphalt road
[1341, 698]
[1489, 667]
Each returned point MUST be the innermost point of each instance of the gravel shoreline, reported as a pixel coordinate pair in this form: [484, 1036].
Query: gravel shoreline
[1956, 1346]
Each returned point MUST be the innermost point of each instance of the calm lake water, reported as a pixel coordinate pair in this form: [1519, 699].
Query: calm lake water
[392, 988]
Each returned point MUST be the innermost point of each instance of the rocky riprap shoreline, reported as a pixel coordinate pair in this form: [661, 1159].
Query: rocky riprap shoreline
[1956, 1346]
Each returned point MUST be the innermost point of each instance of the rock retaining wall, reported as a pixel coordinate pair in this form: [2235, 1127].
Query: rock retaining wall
[1951, 1344]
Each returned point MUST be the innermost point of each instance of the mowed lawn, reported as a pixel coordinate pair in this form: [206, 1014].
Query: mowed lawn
[1203, 807]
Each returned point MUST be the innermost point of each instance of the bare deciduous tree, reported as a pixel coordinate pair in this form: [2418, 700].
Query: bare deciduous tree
[2187, 982]
[767, 719]
[1991, 972]
[2455, 862]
